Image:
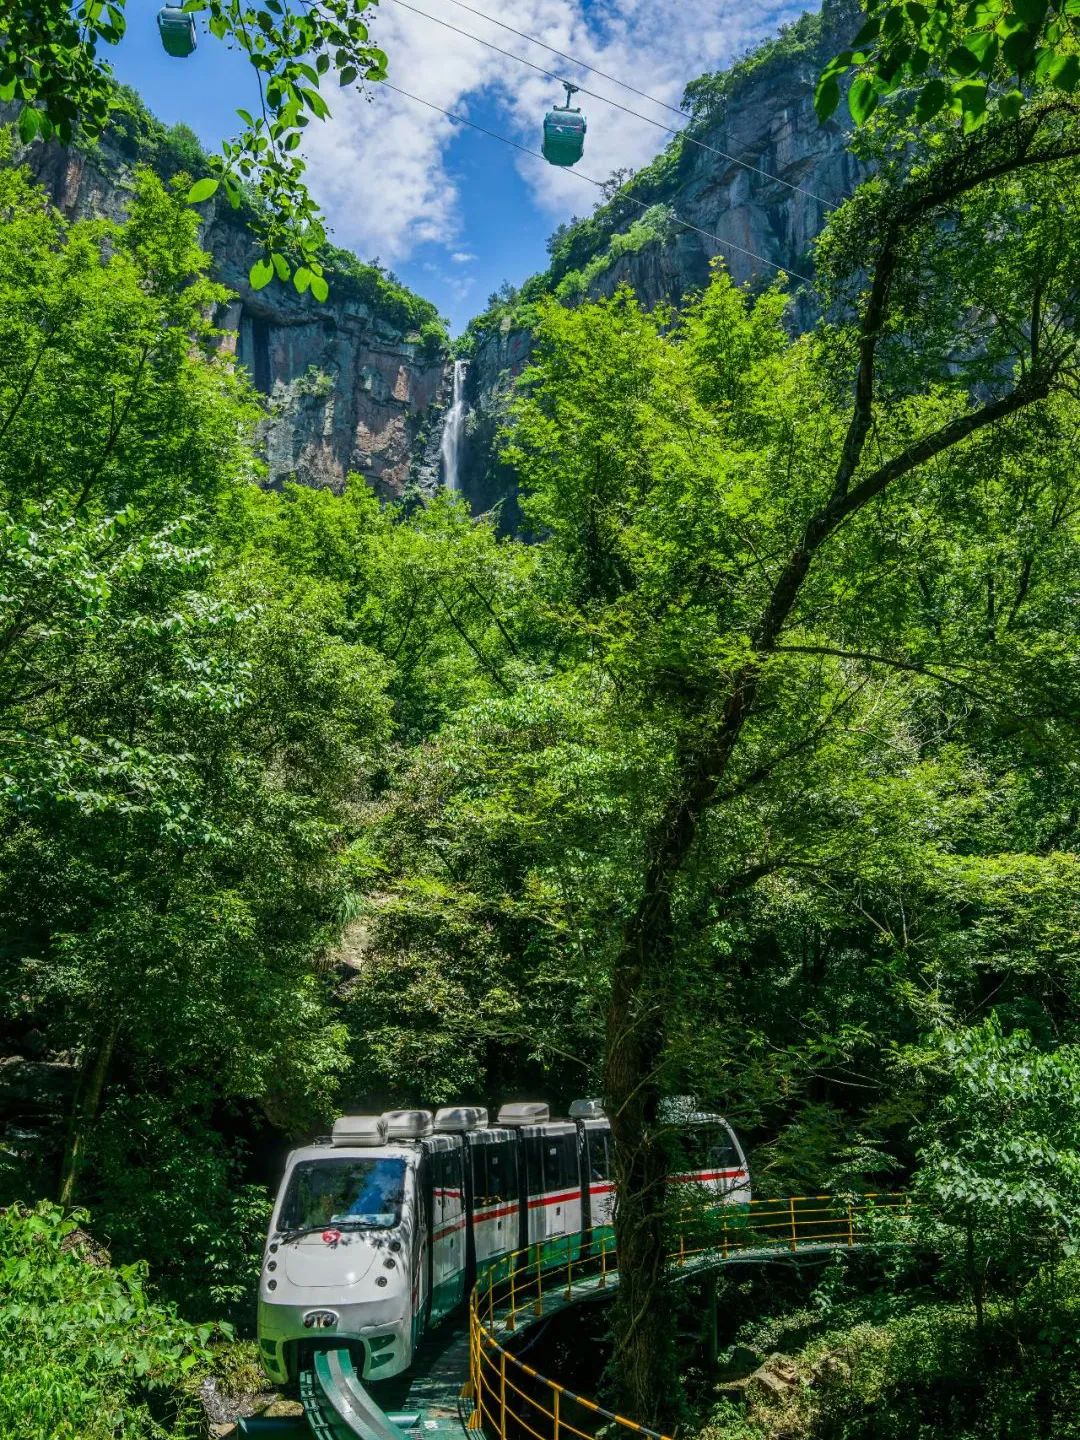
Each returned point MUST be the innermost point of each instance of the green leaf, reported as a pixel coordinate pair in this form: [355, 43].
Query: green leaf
[961, 61]
[1065, 72]
[281, 265]
[869, 31]
[302, 278]
[970, 95]
[319, 288]
[984, 46]
[315, 102]
[1010, 105]
[29, 122]
[202, 190]
[933, 97]
[826, 97]
[1017, 49]
[1031, 12]
[862, 99]
[260, 274]
[348, 75]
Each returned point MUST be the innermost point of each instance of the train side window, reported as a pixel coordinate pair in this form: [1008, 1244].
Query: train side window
[599, 1157]
[502, 1170]
[721, 1154]
[572, 1160]
[454, 1194]
[446, 1184]
[560, 1163]
[709, 1148]
[534, 1147]
[478, 1160]
[438, 1188]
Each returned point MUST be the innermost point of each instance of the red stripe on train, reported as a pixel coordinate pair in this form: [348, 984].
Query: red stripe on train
[495, 1214]
[701, 1177]
[561, 1199]
[449, 1229]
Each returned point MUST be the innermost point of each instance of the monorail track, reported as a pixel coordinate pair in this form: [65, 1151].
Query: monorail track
[425, 1404]
[458, 1385]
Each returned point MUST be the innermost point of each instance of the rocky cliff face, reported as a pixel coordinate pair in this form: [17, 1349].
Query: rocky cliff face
[347, 387]
[350, 387]
[764, 117]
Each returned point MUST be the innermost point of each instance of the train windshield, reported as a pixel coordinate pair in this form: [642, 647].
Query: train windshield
[707, 1151]
[363, 1193]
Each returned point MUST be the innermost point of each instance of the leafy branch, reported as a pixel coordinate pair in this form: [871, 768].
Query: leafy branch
[50, 61]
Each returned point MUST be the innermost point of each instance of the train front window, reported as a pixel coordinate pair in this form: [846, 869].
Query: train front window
[359, 1193]
[708, 1150]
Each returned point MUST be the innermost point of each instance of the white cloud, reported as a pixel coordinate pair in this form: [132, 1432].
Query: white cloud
[462, 257]
[379, 165]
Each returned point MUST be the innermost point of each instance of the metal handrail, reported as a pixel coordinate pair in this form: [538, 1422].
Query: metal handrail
[523, 1279]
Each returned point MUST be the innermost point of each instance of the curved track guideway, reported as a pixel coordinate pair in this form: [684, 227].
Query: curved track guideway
[425, 1404]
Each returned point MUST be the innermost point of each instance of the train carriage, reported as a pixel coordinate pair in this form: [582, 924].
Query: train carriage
[379, 1230]
[597, 1170]
[551, 1190]
[494, 1197]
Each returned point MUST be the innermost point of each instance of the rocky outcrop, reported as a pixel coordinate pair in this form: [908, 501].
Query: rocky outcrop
[774, 211]
[347, 387]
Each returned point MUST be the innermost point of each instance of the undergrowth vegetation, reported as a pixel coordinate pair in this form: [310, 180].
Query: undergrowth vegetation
[87, 1353]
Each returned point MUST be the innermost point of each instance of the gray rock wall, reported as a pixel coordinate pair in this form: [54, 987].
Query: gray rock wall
[346, 390]
[768, 122]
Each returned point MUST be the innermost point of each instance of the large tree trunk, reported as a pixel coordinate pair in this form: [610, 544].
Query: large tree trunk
[92, 1076]
[642, 994]
[645, 1363]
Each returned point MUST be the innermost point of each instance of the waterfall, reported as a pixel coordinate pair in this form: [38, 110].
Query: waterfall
[453, 428]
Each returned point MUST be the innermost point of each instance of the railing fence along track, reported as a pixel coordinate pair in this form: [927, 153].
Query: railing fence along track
[513, 1401]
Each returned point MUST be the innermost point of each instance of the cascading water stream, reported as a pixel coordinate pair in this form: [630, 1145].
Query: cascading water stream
[453, 428]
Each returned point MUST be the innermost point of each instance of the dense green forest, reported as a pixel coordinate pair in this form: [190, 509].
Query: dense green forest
[751, 775]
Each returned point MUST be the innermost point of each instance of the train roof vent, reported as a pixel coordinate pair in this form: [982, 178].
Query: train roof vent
[407, 1124]
[586, 1110]
[524, 1112]
[359, 1130]
[455, 1118]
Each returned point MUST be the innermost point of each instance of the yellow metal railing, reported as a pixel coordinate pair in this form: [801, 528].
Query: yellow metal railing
[512, 1401]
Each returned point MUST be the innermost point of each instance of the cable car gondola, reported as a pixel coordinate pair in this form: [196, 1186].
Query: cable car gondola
[177, 30]
[564, 131]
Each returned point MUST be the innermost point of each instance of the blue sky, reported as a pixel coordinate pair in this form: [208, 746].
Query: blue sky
[452, 212]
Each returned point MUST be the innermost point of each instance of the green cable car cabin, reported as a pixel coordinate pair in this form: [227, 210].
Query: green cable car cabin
[177, 31]
[564, 131]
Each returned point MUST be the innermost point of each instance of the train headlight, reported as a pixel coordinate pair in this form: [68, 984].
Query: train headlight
[389, 1262]
[395, 1245]
[320, 1319]
[381, 1280]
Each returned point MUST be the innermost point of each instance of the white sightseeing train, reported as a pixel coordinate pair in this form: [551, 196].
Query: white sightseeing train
[378, 1231]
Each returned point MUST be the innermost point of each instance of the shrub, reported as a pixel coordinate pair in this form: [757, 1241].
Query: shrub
[87, 1354]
